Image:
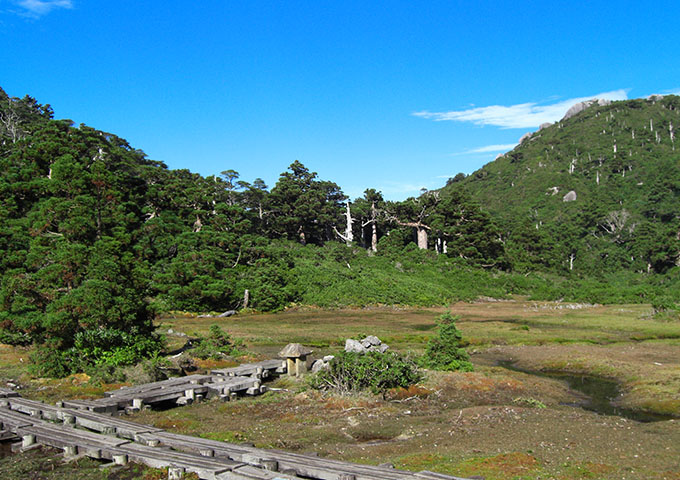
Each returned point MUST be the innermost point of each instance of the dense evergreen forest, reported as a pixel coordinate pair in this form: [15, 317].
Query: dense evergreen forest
[96, 239]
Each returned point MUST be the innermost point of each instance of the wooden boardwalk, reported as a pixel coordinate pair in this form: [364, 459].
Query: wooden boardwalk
[88, 428]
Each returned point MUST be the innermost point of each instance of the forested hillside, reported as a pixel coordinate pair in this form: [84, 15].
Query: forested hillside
[96, 239]
[620, 163]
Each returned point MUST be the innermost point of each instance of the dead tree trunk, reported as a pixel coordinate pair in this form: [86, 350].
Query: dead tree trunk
[422, 237]
[374, 237]
[348, 237]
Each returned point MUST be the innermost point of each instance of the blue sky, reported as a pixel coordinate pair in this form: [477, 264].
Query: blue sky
[396, 95]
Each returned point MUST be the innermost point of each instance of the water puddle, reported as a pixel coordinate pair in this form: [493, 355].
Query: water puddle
[601, 394]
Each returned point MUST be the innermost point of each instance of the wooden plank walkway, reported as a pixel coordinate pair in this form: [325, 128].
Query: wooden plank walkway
[102, 436]
[171, 382]
[87, 427]
[182, 390]
[6, 392]
[262, 369]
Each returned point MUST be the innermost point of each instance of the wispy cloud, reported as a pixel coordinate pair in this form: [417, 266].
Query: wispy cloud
[672, 91]
[38, 8]
[486, 149]
[523, 115]
[493, 148]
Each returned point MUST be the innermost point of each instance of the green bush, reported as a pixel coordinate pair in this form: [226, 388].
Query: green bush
[147, 371]
[374, 371]
[49, 361]
[14, 338]
[663, 304]
[98, 348]
[444, 352]
[217, 344]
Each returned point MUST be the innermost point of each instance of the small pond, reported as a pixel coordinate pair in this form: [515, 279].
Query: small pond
[601, 394]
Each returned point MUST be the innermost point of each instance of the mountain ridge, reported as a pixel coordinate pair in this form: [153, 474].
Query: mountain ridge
[615, 162]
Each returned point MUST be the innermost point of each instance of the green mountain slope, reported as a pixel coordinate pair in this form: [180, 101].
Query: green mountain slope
[622, 163]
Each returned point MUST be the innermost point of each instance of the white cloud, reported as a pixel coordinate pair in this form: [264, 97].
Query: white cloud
[493, 148]
[523, 115]
[672, 91]
[38, 8]
[486, 149]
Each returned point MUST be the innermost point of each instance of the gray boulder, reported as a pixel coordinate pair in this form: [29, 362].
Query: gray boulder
[569, 197]
[354, 346]
[319, 365]
[524, 137]
[577, 108]
[580, 106]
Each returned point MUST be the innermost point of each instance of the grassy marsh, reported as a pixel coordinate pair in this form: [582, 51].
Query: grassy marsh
[492, 422]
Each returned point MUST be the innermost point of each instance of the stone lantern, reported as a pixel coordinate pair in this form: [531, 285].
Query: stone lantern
[296, 358]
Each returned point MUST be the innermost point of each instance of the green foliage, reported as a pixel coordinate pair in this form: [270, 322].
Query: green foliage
[444, 352]
[529, 402]
[665, 308]
[102, 349]
[216, 345]
[306, 208]
[373, 371]
[664, 304]
[621, 162]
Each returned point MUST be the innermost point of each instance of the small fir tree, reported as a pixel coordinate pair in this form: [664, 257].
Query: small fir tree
[444, 352]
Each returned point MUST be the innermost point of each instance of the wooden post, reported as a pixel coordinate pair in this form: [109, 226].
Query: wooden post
[120, 459]
[27, 440]
[175, 473]
[290, 366]
[70, 451]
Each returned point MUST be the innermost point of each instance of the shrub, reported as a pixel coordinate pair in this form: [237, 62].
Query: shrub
[374, 371]
[663, 304]
[14, 338]
[217, 344]
[99, 348]
[146, 371]
[444, 352]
